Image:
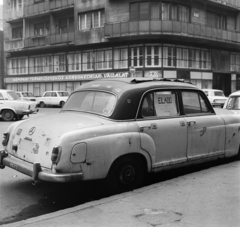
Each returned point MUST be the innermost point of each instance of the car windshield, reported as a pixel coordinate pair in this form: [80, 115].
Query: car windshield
[13, 95]
[27, 94]
[98, 102]
[233, 103]
[218, 93]
[63, 94]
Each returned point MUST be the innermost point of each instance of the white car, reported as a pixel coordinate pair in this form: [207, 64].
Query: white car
[233, 102]
[12, 107]
[216, 97]
[26, 95]
[53, 98]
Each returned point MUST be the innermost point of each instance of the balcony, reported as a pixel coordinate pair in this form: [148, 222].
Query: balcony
[173, 28]
[45, 7]
[40, 41]
[231, 3]
[13, 14]
[13, 45]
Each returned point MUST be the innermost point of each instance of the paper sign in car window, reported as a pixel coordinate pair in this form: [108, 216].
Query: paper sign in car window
[165, 104]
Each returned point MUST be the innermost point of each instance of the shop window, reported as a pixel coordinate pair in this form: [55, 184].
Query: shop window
[120, 58]
[17, 66]
[169, 56]
[48, 63]
[104, 59]
[17, 33]
[182, 57]
[74, 62]
[136, 56]
[199, 59]
[88, 61]
[153, 56]
[90, 20]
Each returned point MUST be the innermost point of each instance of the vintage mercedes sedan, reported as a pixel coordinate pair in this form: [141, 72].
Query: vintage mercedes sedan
[120, 130]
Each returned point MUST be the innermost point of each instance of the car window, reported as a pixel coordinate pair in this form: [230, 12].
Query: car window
[47, 94]
[27, 94]
[19, 95]
[63, 94]
[92, 101]
[233, 103]
[1, 96]
[54, 94]
[13, 95]
[194, 103]
[159, 104]
[218, 93]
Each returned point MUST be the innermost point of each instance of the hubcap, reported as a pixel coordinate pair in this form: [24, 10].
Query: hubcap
[127, 174]
[8, 115]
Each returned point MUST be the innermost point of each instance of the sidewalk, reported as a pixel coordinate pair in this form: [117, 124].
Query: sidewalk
[208, 198]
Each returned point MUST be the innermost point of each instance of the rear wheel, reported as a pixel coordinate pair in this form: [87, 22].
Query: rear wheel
[62, 103]
[20, 116]
[126, 174]
[8, 115]
[42, 104]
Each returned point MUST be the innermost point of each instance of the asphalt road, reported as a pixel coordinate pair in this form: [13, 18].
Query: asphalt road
[19, 199]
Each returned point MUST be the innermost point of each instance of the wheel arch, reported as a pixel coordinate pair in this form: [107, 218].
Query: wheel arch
[7, 109]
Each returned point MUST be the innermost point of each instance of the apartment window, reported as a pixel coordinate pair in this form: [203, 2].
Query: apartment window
[41, 29]
[89, 20]
[182, 57]
[169, 56]
[153, 56]
[48, 63]
[136, 56]
[59, 63]
[17, 33]
[104, 59]
[183, 13]
[215, 20]
[120, 58]
[88, 61]
[17, 66]
[74, 62]
[38, 1]
[235, 62]
[16, 4]
[199, 59]
[66, 25]
[22, 65]
[165, 11]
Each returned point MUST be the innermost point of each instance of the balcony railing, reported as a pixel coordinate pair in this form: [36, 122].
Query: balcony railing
[43, 7]
[232, 3]
[13, 14]
[40, 41]
[11, 45]
[131, 28]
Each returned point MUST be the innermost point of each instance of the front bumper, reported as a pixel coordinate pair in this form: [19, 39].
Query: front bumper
[30, 111]
[36, 171]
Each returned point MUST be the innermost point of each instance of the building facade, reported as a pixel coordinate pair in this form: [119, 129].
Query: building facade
[60, 44]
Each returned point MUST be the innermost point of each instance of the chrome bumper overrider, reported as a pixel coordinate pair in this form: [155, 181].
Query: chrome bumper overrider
[35, 170]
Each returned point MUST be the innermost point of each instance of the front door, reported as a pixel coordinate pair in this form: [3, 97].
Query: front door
[163, 132]
[206, 130]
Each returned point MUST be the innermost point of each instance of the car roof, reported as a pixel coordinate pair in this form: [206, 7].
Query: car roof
[236, 93]
[120, 85]
[211, 90]
[6, 90]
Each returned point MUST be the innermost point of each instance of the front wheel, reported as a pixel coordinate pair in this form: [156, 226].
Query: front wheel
[8, 115]
[126, 174]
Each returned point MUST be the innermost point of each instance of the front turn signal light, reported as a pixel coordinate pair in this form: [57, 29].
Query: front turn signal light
[6, 136]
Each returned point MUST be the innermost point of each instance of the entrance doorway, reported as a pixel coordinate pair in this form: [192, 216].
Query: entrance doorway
[222, 81]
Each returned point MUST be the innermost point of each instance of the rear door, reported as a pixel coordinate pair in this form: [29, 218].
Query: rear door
[205, 130]
[163, 132]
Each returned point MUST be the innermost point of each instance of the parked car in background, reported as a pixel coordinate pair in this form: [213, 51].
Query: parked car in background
[12, 107]
[233, 102]
[120, 130]
[216, 97]
[26, 95]
[53, 98]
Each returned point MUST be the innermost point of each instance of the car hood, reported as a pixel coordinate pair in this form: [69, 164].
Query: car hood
[36, 137]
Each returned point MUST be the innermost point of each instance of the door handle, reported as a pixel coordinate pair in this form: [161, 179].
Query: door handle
[191, 123]
[152, 126]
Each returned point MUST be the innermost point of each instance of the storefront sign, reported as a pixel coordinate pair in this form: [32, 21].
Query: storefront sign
[59, 78]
